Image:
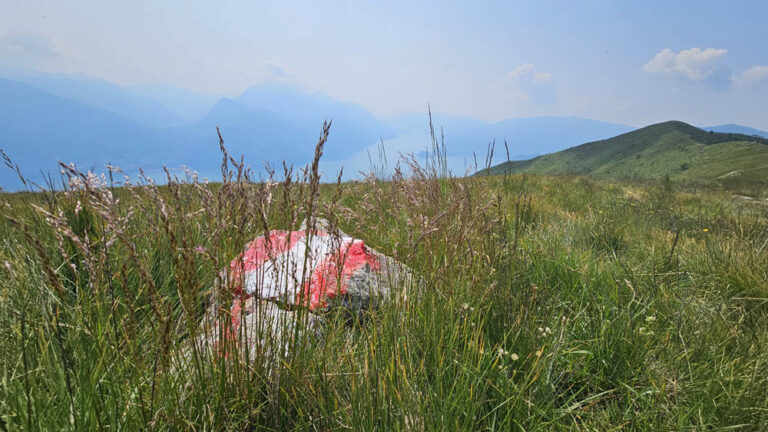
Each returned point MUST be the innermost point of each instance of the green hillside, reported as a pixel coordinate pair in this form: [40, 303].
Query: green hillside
[673, 148]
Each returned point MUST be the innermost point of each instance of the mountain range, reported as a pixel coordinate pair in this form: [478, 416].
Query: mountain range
[673, 149]
[91, 123]
[50, 118]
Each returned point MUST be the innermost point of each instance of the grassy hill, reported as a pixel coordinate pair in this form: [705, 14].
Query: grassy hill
[673, 148]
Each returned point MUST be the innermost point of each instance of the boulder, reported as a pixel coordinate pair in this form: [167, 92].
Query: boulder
[285, 282]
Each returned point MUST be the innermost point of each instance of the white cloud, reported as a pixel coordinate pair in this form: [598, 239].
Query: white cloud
[520, 72]
[542, 77]
[694, 64]
[277, 69]
[752, 75]
[528, 85]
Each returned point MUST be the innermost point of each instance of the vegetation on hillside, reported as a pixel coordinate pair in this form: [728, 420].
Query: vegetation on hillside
[550, 303]
[673, 149]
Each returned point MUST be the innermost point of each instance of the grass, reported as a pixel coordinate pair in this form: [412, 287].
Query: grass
[549, 303]
[673, 149]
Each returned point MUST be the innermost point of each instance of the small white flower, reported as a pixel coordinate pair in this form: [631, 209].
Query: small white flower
[514, 357]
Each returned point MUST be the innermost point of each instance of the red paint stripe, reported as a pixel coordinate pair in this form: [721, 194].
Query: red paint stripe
[341, 264]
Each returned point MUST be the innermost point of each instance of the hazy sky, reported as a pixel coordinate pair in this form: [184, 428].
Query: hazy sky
[637, 62]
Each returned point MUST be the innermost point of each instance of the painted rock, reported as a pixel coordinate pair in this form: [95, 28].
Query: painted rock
[316, 269]
[313, 271]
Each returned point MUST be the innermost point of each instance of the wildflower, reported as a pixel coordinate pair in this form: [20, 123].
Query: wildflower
[706, 230]
[514, 357]
[650, 319]
[78, 207]
[200, 249]
[645, 332]
[538, 353]
[465, 306]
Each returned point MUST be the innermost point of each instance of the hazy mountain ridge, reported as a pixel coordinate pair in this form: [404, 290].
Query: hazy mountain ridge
[40, 128]
[526, 135]
[93, 122]
[734, 128]
[107, 96]
[43, 128]
[242, 129]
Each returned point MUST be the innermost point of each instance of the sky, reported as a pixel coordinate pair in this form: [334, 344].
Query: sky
[637, 63]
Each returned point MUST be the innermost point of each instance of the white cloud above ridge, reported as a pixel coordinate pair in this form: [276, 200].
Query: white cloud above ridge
[277, 69]
[520, 72]
[693, 64]
[752, 75]
[527, 85]
[542, 77]
[704, 65]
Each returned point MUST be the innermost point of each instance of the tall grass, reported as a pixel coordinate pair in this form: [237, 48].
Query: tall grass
[547, 304]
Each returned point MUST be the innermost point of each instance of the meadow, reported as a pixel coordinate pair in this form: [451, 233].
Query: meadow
[549, 303]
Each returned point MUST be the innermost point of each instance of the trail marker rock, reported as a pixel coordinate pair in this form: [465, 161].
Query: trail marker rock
[310, 269]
